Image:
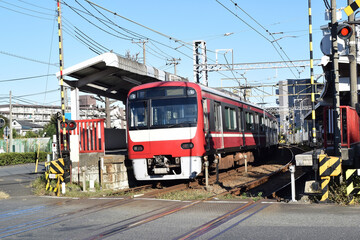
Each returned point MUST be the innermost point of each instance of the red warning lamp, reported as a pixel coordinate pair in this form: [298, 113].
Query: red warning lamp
[344, 31]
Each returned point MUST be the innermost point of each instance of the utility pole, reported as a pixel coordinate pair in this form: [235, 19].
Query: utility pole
[144, 49]
[352, 60]
[10, 124]
[173, 61]
[107, 112]
[335, 75]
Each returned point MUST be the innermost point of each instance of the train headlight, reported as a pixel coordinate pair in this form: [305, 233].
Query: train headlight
[132, 96]
[138, 148]
[191, 91]
[187, 145]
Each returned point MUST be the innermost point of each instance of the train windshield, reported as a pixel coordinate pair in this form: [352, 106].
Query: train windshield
[138, 114]
[174, 112]
[163, 107]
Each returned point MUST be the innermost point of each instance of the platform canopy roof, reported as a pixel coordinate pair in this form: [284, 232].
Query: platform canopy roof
[111, 75]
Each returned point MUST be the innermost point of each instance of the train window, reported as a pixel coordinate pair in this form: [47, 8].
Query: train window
[138, 114]
[261, 124]
[256, 122]
[241, 124]
[249, 121]
[217, 117]
[230, 118]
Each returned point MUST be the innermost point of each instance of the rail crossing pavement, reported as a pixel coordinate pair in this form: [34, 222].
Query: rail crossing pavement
[49, 218]
[32, 217]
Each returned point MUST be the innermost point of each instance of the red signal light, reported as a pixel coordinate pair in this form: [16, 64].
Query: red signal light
[71, 125]
[344, 31]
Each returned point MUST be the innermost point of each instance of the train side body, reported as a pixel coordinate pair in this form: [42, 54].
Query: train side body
[173, 125]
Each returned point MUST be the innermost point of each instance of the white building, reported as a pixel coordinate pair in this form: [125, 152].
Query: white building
[41, 114]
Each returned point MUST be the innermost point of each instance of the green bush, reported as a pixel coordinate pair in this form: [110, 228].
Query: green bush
[21, 158]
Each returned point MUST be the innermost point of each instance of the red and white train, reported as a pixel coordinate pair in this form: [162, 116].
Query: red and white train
[173, 127]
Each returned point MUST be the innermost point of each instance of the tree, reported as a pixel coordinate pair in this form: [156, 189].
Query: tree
[50, 128]
[31, 134]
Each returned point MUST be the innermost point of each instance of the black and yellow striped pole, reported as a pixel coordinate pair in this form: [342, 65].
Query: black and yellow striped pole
[313, 116]
[312, 82]
[61, 76]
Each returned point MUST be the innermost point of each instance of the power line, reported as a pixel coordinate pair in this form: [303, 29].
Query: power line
[27, 9]
[103, 22]
[28, 59]
[39, 93]
[27, 14]
[34, 5]
[73, 9]
[26, 78]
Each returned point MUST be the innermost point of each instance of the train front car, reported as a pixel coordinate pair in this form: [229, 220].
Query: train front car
[165, 133]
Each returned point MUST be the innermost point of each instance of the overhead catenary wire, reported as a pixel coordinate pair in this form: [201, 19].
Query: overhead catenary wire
[266, 30]
[258, 32]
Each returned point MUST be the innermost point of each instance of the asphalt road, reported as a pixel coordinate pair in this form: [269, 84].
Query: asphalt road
[24, 216]
[16, 180]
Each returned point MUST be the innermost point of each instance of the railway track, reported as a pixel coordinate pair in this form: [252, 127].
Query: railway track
[235, 182]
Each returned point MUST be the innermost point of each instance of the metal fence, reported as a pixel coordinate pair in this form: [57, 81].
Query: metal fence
[27, 145]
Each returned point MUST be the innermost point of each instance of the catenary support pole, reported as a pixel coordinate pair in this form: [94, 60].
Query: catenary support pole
[335, 61]
[352, 60]
[10, 124]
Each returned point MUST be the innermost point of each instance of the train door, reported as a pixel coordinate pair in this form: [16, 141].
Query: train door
[219, 123]
[206, 124]
[241, 126]
[257, 129]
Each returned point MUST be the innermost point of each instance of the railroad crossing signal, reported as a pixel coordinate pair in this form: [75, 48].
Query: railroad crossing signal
[352, 7]
[344, 31]
[6, 131]
[2, 122]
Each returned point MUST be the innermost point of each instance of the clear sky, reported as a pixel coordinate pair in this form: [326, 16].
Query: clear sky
[29, 39]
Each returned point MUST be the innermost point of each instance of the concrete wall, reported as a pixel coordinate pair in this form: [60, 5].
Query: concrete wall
[114, 171]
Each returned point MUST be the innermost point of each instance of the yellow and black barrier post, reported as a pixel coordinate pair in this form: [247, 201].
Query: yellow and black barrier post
[55, 171]
[350, 175]
[329, 167]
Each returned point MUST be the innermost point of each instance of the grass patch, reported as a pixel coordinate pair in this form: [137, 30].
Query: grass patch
[4, 195]
[195, 194]
[338, 195]
[72, 190]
